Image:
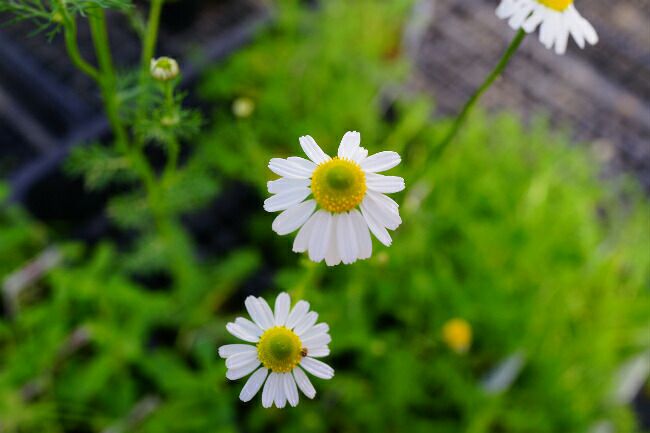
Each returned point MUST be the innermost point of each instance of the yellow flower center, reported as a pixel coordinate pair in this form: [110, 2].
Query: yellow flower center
[558, 5]
[338, 185]
[279, 349]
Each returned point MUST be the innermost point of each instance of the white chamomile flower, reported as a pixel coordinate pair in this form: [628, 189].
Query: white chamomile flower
[284, 343]
[348, 199]
[557, 20]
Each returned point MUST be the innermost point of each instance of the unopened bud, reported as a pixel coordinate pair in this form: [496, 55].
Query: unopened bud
[164, 69]
[57, 17]
[243, 107]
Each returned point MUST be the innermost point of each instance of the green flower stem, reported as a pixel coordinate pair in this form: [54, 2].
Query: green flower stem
[309, 276]
[148, 47]
[173, 149]
[469, 105]
[151, 35]
[107, 78]
[70, 35]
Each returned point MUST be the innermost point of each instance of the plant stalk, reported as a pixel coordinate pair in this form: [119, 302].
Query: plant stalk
[70, 35]
[489, 80]
[107, 79]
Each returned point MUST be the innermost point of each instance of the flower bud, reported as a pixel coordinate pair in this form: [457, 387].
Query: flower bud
[57, 17]
[243, 107]
[457, 334]
[164, 69]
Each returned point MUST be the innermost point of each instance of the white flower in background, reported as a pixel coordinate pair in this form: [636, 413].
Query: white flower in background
[348, 199]
[164, 69]
[286, 342]
[557, 20]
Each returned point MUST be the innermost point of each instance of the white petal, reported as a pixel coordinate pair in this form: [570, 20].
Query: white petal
[575, 29]
[377, 228]
[385, 201]
[266, 310]
[319, 352]
[242, 332]
[306, 323]
[317, 368]
[304, 383]
[381, 212]
[332, 257]
[346, 239]
[385, 184]
[290, 389]
[349, 144]
[298, 312]
[232, 349]
[362, 233]
[280, 394]
[285, 184]
[533, 21]
[240, 360]
[270, 387]
[301, 243]
[282, 306]
[545, 32]
[286, 199]
[588, 31]
[249, 326]
[562, 36]
[381, 161]
[321, 328]
[290, 169]
[318, 340]
[293, 218]
[312, 150]
[360, 155]
[244, 370]
[257, 312]
[320, 238]
[520, 15]
[304, 163]
[505, 9]
[253, 385]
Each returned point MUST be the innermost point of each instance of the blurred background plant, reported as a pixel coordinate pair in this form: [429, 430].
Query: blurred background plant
[540, 267]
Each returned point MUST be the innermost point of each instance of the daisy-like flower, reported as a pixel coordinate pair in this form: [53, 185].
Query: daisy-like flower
[284, 343]
[348, 201]
[557, 20]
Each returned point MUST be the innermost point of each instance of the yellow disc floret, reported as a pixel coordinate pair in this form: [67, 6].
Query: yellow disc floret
[558, 5]
[338, 185]
[279, 349]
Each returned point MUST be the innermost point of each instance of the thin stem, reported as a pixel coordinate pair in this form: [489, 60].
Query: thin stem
[107, 79]
[70, 34]
[496, 72]
[173, 149]
[151, 35]
[310, 272]
[148, 48]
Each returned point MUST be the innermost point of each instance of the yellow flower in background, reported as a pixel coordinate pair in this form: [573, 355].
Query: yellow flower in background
[457, 334]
